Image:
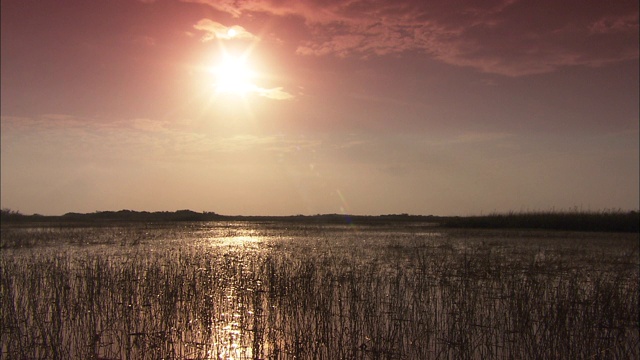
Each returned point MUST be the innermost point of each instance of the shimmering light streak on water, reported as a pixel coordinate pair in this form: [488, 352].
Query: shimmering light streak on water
[237, 240]
[228, 332]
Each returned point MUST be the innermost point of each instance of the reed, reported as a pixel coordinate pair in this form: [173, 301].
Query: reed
[263, 291]
[611, 220]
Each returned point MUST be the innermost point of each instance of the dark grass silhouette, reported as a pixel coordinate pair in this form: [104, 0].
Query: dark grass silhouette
[606, 221]
[575, 220]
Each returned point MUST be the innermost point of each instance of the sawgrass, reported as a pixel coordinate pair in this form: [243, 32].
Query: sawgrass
[263, 291]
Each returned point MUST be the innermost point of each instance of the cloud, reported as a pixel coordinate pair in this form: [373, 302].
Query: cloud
[613, 24]
[275, 93]
[215, 30]
[480, 137]
[224, 6]
[144, 40]
[508, 37]
[136, 139]
[262, 143]
[237, 8]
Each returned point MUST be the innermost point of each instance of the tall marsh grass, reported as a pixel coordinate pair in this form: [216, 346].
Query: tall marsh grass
[265, 291]
[573, 220]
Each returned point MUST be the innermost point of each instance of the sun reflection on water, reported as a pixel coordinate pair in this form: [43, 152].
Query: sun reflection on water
[238, 240]
[232, 322]
[245, 242]
[230, 336]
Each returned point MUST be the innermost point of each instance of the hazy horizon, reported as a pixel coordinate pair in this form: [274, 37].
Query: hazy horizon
[574, 210]
[306, 107]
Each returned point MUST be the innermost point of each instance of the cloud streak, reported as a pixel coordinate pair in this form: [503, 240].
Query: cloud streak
[137, 138]
[275, 93]
[215, 30]
[508, 37]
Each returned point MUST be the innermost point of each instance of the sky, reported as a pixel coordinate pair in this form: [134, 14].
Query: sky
[285, 107]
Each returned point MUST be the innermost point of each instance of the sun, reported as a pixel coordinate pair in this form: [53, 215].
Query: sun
[234, 75]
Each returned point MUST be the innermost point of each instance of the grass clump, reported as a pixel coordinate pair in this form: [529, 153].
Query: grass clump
[603, 221]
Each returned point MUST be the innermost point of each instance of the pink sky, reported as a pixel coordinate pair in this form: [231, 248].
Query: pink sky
[361, 106]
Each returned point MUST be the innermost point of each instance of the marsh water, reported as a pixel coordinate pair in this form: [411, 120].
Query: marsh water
[276, 290]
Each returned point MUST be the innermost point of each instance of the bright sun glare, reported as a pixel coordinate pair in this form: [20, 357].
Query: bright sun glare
[234, 75]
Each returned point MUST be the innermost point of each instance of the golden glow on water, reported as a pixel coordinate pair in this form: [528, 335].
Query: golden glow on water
[230, 337]
[239, 240]
[233, 235]
[230, 326]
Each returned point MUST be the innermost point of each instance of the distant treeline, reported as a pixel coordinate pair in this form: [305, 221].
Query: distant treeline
[108, 216]
[608, 221]
[189, 215]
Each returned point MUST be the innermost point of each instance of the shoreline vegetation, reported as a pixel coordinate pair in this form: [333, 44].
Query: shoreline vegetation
[574, 220]
[110, 286]
[275, 290]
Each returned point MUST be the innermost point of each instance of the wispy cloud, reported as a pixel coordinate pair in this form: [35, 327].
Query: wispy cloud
[215, 30]
[138, 138]
[479, 137]
[508, 37]
[275, 93]
[144, 40]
